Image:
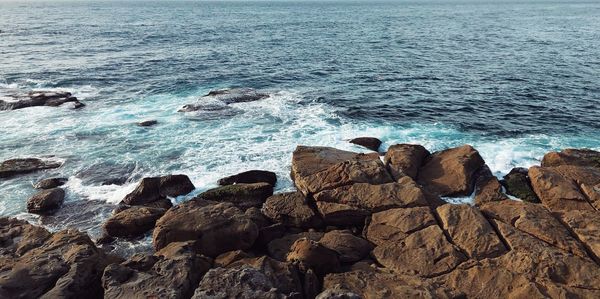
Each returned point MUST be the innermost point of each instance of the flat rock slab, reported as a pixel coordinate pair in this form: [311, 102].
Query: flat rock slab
[556, 191]
[573, 157]
[242, 195]
[396, 224]
[586, 225]
[250, 177]
[11, 168]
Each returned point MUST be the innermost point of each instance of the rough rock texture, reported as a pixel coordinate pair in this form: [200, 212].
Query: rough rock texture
[518, 185]
[309, 254]
[396, 224]
[557, 192]
[593, 194]
[341, 214]
[487, 187]
[39, 98]
[349, 247]
[214, 227]
[242, 195]
[133, 221]
[470, 231]
[586, 226]
[173, 272]
[371, 143]
[571, 156]
[154, 189]
[279, 248]
[250, 177]
[291, 209]
[405, 160]
[451, 172]
[230, 257]
[50, 183]
[46, 201]
[13, 167]
[35, 263]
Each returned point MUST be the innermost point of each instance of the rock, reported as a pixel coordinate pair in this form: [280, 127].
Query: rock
[349, 247]
[451, 172]
[46, 201]
[376, 198]
[175, 185]
[257, 217]
[425, 253]
[341, 214]
[487, 187]
[279, 248]
[14, 167]
[573, 157]
[470, 231]
[291, 209]
[50, 183]
[405, 160]
[173, 272]
[555, 191]
[107, 173]
[284, 276]
[153, 189]
[250, 177]
[337, 294]
[269, 233]
[237, 95]
[309, 254]
[147, 123]
[518, 185]
[396, 224]
[37, 98]
[214, 227]
[35, 263]
[586, 226]
[367, 142]
[534, 220]
[132, 222]
[242, 195]
[593, 194]
[230, 257]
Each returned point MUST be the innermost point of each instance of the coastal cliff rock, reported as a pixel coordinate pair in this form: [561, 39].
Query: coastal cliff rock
[291, 209]
[46, 201]
[39, 98]
[14, 167]
[405, 160]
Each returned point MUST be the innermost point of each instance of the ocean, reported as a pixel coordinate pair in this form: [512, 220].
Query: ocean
[515, 79]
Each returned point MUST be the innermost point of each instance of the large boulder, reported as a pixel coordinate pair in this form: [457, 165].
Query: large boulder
[13, 167]
[487, 187]
[35, 263]
[250, 177]
[517, 184]
[175, 185]
[132, 222]
[556, 191]
[309, 254]
[214, 227]
[173, 272]
[154, 189]
[38, 98]
[46, 201]
[242, 195]
[371, 143]
[291, 209]
[280, 247]
[349, 247]
[574, 157]
[50, 183]
[396, 224]
[405, 160]
[451, 172]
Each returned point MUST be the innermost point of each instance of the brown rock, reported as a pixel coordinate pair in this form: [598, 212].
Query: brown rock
[574, 157]
[350, 248]
[312, 255]
[132, 222]
[341, 214]
[154, 189]
[425, 253]
[397, 224]
[175, 185]
[308, 160]
[242, 195]
[518, 185]
[291, 209]
[14, 167]
[593, 194]
[46, 201]
[250, 177]
[214, 227]
[230, 257]
[487, 187]
[555, 191]
[405, 160]
[451, 172]
[50, 183]
[586, 226]
[284, 276]
[279, 248]
[470, 231]
[371, 143]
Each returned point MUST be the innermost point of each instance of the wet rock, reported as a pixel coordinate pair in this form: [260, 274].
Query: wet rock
[405, 160]
[36, 263]
[470, 231]
[396, 224]
[291, 209]
[371, 143]
[132, 222]
[106, 173]
[14, 167]
[340, 214]
[279, 248]
[451, 172]
[555, 191]
[237, 95]
[250, 177]
[46, 201]
[349, 247]
[214, 227]
[425, 253]
[147, 123]
[573, 157]
[242, 195]
[173, 272]
[50, 183]
[487, 187]
[518, 185]
[175, 185]
[155, 189]
[37, 98]
[309, 254]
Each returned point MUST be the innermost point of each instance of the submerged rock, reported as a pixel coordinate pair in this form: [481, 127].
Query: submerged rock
[38, 98]
[11, 168]
[236, 95]
[46, 201]
[371, 143]
[250, 177]
[50, 183]
[147, 123]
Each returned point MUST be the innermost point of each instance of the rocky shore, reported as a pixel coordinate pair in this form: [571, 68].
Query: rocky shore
[374, 225]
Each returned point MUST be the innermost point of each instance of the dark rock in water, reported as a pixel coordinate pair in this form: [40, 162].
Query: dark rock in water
[10, 168]
[78, 105]
[46, 201]
[368, 142]
[106, 173]
[216, 103]
[147, 123]
[50, 183]
[242, 195]
[249, 177]
[115, 181]
[38, 98]
[133, 221]
[237, 95]
[573, 157]
[36, 263]
[175, 185]
[86, 215]
[518, 185]
[155, 189]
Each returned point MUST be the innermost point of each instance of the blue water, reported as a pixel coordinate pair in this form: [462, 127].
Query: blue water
[514, 79]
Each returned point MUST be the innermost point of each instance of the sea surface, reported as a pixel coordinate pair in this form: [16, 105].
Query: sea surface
[515, 79]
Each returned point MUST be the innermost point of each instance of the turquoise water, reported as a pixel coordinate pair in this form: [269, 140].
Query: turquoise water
[513, 79]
